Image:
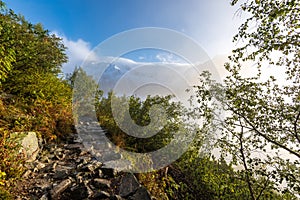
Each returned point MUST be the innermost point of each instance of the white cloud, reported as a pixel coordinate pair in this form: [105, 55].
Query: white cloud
[168, 58]
[77, 51]
[126, 76]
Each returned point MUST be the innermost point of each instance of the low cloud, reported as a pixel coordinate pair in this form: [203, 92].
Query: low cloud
[79, 51]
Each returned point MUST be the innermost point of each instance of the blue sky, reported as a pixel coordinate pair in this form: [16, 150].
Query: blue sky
[85, 24]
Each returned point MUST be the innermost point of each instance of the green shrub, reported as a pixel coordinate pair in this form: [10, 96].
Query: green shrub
[11, 166]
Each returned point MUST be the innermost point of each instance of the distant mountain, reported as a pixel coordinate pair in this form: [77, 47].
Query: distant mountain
[125, 76]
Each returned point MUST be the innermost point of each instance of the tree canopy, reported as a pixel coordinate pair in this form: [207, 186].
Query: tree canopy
[261, 129]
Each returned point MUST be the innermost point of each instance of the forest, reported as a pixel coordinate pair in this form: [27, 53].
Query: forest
[262, 115]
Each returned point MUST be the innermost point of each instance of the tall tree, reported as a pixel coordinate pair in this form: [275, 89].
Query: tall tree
[260, 131]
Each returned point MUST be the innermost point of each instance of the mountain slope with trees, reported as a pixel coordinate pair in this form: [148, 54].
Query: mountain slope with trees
[32, 97]
[261, 116]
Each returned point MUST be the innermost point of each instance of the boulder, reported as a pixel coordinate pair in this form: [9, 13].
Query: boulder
[29, 144]
[129, 185]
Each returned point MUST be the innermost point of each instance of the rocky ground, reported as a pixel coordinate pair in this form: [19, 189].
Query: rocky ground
[69, 171]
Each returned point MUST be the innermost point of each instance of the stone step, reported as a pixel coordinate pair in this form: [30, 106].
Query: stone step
[94, 141]
[118, 165]
[108, 156]
[92, 131]
[92, 137]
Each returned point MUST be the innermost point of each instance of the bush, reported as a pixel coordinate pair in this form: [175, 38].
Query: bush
[11, 166]
[51, 120]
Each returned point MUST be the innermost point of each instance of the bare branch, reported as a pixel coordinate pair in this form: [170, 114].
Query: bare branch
[245, 163]
[264, 187]
[295, 126]
[264, 135]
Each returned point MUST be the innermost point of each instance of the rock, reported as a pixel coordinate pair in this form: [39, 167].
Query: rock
[101, 183]
[116, 197]
[27, 174]
[44, 197]
[141, 193]
[108, 173]
[60, 156]
[29, 144]
[79, 177]
[100, 173]
[94, 165]
[67, 171]
[109, 156]
[90, 192]
[44, 185]
[60, 174]
[57, 190]
[39, 166]
[129, 184]
[101, 195]
[80, 192]
[77, 192]
[118, 165]
[83, 162]
[75, 146]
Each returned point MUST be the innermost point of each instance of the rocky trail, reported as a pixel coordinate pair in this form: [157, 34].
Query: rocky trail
[80, 168]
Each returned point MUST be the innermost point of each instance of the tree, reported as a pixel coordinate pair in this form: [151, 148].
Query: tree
[7, 54]
[85, 93]
[140, 115]
[28, 52]
[32, 94]
[260, 131]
